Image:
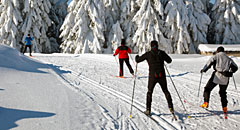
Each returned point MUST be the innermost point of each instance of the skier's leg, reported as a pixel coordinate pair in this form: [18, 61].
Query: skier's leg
[121, 67]
[223, 95]
[151, 85]
[25, 48]
[30, 49]
[208, 88]
[129, 66]
[163, 83]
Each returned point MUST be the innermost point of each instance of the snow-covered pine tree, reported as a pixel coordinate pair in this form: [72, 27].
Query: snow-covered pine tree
[177, 22]
[198, 23]
[116, 35]
[36, 22]
[113, 32]
[9, 22]
[128, 9]
[57, 14]
[84, 27]
[206, 6]
[225, 23]
[149, 24]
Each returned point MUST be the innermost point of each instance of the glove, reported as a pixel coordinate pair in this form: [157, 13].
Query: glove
[137, 56]
[202, 71]
[114, 55]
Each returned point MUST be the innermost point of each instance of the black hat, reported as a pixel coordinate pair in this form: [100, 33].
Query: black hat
[154, 44]
[220, 49]
[123, 42]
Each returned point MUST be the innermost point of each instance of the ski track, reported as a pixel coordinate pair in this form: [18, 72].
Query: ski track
[163, 123]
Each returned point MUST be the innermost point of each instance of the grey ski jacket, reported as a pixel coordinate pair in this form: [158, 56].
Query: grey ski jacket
[223, 66]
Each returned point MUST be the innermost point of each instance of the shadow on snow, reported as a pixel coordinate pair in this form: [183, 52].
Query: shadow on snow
[177, 75]
[9, 117]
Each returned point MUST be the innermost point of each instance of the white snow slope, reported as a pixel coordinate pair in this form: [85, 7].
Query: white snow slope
[81, 92]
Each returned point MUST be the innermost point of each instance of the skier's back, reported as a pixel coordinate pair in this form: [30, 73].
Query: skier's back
[123, 51]
[155, 59]
[224, 68]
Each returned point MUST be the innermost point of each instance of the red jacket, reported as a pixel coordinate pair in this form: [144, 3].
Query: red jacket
[123, 52]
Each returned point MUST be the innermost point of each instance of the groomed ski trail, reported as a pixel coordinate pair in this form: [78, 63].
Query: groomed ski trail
[186, 82]
[162, 122]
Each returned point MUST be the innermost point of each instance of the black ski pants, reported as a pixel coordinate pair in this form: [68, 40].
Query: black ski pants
[126, 60]
[152, 81]
[222, 91]
[30, 49]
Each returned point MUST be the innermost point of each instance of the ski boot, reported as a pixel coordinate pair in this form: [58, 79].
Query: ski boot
[204, 105]
[147, 112]
[171, 110]
[225, 112]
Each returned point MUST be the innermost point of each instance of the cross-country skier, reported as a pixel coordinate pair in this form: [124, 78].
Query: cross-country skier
[123, 51]
[28, 44]
[155, 59]
[224, 67]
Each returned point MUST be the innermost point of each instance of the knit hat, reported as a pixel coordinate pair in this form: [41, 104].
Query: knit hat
[154, 44]
[220, 49]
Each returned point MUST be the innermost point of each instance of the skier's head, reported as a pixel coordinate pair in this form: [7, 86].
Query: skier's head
[123, 42]
[154, 44]
[220, 49]
[28, 35]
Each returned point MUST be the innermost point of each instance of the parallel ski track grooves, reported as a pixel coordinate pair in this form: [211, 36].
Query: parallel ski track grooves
[115, 93]
[194, 81]
[123, 97]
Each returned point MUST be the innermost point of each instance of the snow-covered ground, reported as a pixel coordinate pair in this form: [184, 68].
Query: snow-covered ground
[81, 92]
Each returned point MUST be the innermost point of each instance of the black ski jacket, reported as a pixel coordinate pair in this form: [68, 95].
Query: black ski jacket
[155, 59]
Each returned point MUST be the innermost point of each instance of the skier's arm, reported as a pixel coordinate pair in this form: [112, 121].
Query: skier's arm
[116, 52]
[129, 50]
[141, 58]
[25, 40]
[210, 62]
[233, 67]
[166, 57]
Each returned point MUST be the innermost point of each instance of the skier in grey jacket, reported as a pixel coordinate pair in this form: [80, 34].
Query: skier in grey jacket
[224, 68]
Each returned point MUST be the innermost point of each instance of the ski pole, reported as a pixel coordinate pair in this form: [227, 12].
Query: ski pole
[175, 87]
[200, 84]
[132, 59]
[234, 83]
[134, 84]
[116, 60]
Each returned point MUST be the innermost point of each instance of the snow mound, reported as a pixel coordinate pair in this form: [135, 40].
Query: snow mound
[13, 59]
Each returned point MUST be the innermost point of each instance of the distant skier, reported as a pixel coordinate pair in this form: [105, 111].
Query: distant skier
[155, 59]
[123, 51]
[224, 67]
[28, 44]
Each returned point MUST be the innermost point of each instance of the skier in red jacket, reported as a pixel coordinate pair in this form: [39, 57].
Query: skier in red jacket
[123, 57]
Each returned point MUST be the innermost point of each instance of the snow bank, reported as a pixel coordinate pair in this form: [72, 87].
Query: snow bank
[12, 58]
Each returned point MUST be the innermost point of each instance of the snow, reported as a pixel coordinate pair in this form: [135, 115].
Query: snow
[80, 91]
[213, 47]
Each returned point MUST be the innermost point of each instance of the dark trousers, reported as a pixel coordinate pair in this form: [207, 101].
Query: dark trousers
[30, 48]
[222, 91]
[152, 81]
[126, 60]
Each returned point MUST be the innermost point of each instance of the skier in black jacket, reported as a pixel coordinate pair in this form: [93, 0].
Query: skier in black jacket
[155, 59]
